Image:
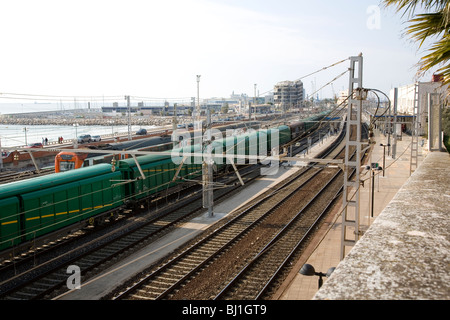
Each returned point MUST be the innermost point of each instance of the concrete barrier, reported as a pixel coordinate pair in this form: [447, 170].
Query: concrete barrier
[405, 254]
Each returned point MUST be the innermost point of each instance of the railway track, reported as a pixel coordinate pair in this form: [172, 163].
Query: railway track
[256, 278]
[12, 176]
[199, 271]
[102, 253]
[32, 250]
[105, 249]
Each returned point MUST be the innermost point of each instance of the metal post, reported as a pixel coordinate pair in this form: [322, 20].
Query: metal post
[25, 130]
[384, 155]
[207, 169]
[373, 193]
[351, 193]
[198, 97]
[394, 144]
[254, 102]
[75, 145]
[129, 117]
[139, 167]
[413, 163]
[1, 155]
[174, 123]
[389, 131]
[34, 161]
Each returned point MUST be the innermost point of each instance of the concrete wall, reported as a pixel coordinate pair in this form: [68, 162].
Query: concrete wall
[405, 254]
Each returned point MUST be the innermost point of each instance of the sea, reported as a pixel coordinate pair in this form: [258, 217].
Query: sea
[21, 135]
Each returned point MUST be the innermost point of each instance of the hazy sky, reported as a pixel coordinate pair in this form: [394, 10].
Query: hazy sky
[156, 48]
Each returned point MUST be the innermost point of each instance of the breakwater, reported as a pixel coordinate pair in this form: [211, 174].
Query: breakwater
[81, 118]
[85, 122]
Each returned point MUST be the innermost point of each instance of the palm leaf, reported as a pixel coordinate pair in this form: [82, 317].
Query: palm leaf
[435, 23]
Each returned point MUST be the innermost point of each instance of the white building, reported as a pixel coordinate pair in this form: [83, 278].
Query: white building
[342, 97]
[288, 94]
[405, 99]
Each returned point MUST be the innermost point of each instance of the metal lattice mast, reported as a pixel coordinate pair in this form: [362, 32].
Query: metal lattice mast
[129, 117]
[351, 196]
[415, 132]
[207, 168]
[198, 99]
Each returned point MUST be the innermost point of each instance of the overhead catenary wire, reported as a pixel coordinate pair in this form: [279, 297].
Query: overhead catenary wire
[86, 98]
[71, 98]
[333, 224]
[280, 117]
[312, 73]
[103, 98]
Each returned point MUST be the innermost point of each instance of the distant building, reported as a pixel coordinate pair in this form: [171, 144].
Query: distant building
[161, 108]
[268, 99]
[342, 97]
[261, 108]
[234, 102]
[288, 94]
[405, 99]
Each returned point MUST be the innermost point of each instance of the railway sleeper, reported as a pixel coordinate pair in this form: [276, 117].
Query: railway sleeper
[44, 284]
[186, 265]
[150, 289]
[142, 296]
[168, 275]
[87, 262]
[182, 267]
[192, 260]
[205, 250]
[21, 296]
[166, 279]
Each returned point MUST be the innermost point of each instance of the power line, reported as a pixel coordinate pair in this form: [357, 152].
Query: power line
[317, 71]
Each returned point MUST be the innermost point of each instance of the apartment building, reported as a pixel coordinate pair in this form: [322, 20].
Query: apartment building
[288, 94]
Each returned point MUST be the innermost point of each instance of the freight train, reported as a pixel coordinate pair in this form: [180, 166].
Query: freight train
[66, 160]
[35, 207]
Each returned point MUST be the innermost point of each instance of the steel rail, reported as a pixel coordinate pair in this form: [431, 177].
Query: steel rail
[278, 236]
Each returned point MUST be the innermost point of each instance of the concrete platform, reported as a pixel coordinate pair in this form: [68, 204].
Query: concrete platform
[104, 283]
[405, 255]
[326, 252]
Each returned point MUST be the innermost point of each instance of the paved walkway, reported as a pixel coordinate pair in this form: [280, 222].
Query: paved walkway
[326, 253]
[405, 253]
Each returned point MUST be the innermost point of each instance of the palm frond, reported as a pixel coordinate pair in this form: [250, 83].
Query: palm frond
[426, 25]
[409, 6]
[439, 55]
[435, 23]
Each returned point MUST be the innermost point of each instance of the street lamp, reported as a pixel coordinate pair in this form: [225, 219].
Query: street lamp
[76, 135]
[25, 130]
[308, 270]
[374, 168]
[384, 154]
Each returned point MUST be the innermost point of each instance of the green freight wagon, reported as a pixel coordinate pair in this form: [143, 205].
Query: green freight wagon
[34, 207]
[158, 170]
[256, 143]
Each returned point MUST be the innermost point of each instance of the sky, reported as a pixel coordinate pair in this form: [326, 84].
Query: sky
[156, 49]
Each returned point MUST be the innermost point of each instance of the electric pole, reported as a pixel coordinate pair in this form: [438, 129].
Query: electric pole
[254, 101]
[207, 168]
[198, 97]
[129, 116]
[351, 193]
